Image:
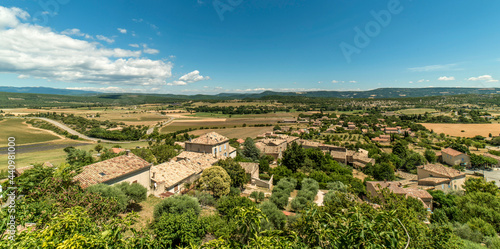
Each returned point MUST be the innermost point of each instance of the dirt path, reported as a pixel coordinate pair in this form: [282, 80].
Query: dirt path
[319, 198]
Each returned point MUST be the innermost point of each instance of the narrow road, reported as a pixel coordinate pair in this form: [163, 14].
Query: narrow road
[150, 130]
[73, 132]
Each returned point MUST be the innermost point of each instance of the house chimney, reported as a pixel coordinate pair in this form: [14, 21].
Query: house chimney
[127, 152]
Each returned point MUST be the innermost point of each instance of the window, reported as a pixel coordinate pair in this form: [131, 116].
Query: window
[224, 146]
[215, 150]
[220, 148]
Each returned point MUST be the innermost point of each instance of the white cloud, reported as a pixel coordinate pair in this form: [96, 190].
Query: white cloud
[335, 81]
[411, 82]
[353, 81]
[40, 52]
[433, 68]
[446, 78]
[76, 32]
[123, 31]
[422, 80]
[134, 45]
[22, 76]
[191, 77]
[485, 78]
[104, 38]
[150, 50]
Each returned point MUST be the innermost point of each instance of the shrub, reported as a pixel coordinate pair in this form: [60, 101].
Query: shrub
[178, 229]
[135, 191]
[204, 198]
[107, 191]
[276, 218]
[177, 205]
[299, 203]
[477, 224]
[227, 204]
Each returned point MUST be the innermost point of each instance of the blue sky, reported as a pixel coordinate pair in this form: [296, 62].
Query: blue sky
[202, 46]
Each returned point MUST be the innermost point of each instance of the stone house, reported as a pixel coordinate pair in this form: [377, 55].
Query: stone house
[125, 168]
[454, 157]
[211, 143]
[440, 177]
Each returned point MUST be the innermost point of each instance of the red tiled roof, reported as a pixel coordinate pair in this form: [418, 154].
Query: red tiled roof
[442, 170]
[117, 150]
[451, 152]
[433, 181]
[210, 138]
[110, 169]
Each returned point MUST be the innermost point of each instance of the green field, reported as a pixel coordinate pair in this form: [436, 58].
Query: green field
[57, 156]
[416, 111]
[23, 133]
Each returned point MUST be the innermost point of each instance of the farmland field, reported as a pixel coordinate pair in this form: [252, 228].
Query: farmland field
[236, 132]
[213, 122]
[469, 130]
[23, 133]
[416, 111]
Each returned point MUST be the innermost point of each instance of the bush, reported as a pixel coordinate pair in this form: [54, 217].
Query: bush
[205, 198]
[107, 191]
[234, 191]
[299, 203]
[217, 226]
[337, 186]
[477, 224]
[178, 229]
[276, 218]
[465, 232]
[135, 191]
[177, 205]
[227, 204]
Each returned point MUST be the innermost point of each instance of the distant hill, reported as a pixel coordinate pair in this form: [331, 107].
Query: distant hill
[376, 93]
[44, 90]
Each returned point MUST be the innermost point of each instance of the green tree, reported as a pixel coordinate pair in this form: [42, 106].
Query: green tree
[163, 153]
[178, 229]
[400, 149]
[480, 185]
[430, 156]
[145, 154]
[78, 157]
[216, 180]
[250, 150]
[98, 148]
[294, 157]
[235, 171]
[276, 218]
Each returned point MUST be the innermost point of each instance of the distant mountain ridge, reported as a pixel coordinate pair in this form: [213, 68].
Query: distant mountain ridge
[375, 93]
[44, 90]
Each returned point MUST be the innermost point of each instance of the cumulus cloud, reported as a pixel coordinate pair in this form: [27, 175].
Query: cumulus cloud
[335, 81]
[123, 31]
[104, 38]
[445, 78]
[76, 32]
[191, 77]
[148, 50]
[40, 52]
[134, 45]
[353, 81]
[485, 78]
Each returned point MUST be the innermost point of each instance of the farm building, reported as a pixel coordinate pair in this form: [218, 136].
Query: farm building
[454, 157]
[375, 187]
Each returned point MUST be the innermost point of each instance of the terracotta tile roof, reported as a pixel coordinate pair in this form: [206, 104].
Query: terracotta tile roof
[240, 141]
[117, 150]
[451, 152]
[211, 138]
[397, 189]
[273, 141]
[433, 181]
[166, 194]
[110, 169]
[288, 213]
[187, 164]
[442, 170]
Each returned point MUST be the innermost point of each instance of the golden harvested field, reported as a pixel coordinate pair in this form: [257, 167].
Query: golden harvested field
[236, 132]
[211, 122]
[469, 130]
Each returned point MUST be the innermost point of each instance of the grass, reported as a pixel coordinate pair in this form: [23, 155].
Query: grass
[469, 130]
[416, 111]
[228, 123]
[23, 133]
[57, 156]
